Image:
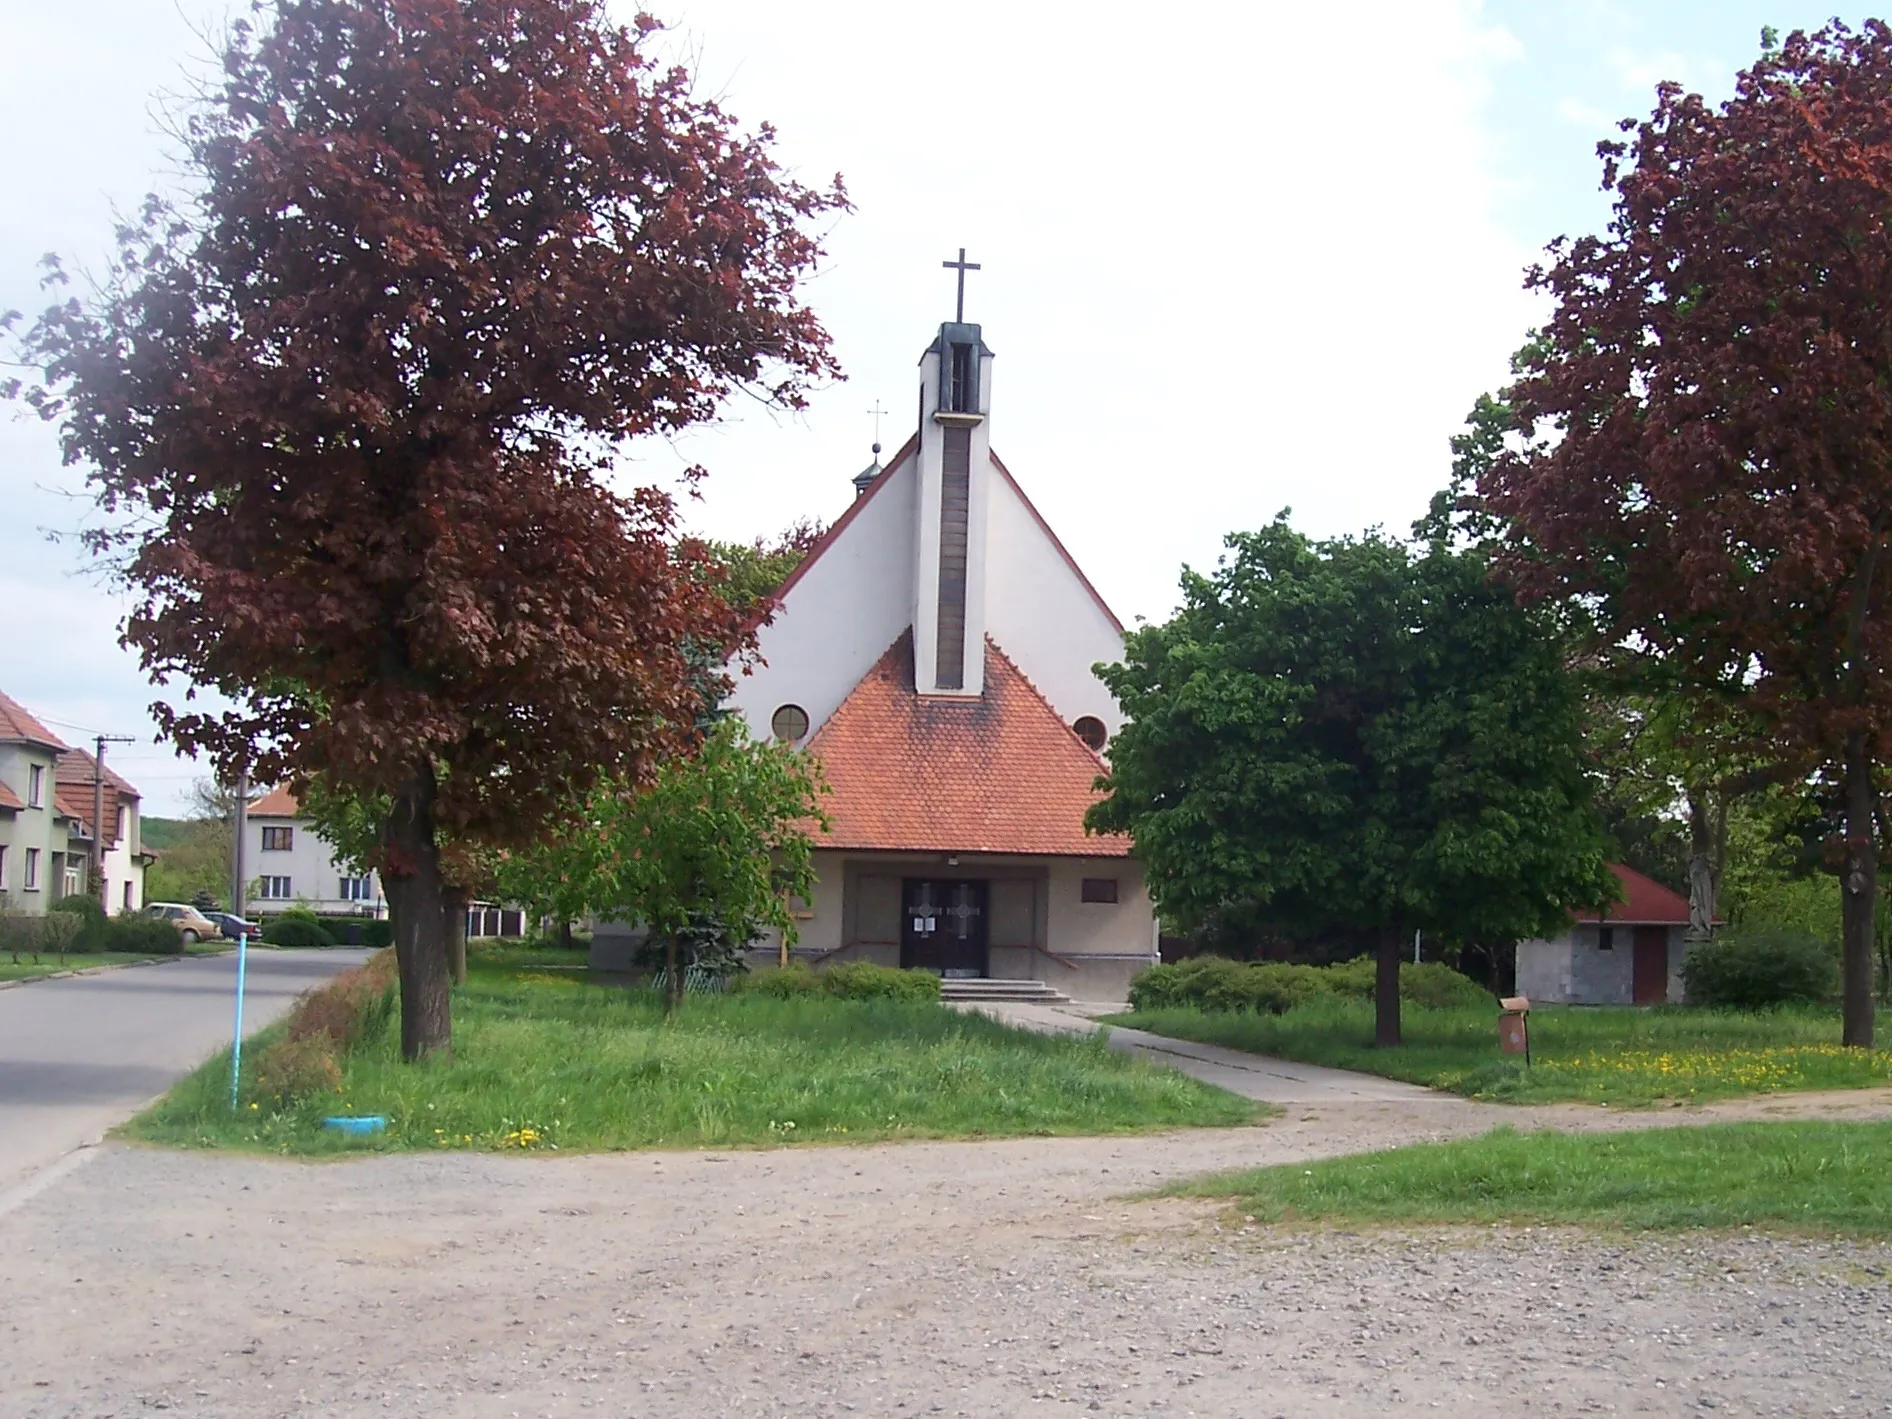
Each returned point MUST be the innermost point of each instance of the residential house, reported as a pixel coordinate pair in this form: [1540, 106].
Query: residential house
[46, 828]
[290, 864]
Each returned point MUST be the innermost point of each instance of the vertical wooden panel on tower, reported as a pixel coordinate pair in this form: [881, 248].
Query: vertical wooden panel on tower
[955, 476]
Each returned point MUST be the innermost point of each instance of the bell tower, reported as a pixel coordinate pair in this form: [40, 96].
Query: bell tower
[955, 467]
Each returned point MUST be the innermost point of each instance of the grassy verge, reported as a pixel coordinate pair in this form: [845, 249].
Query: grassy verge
[1602, 1054]
[1803, 1177]
[88, 960]
[543, 1060]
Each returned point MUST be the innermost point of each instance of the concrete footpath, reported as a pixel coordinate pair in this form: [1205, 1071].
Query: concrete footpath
[1253, 1076]
[81, 1054]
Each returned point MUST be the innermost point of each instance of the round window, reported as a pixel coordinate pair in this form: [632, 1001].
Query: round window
[789, 724]
[1091, 730]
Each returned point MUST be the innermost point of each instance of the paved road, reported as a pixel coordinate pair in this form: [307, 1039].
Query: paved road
[82, 1054]
[1254, 1076]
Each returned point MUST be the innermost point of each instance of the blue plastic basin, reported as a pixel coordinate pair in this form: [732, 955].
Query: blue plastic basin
[357, 1123]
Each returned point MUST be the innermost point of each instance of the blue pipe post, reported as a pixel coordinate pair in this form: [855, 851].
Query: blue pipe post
[236, 1039]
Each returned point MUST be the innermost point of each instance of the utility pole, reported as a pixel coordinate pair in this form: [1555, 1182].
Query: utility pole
[240, 818]
[98, 883]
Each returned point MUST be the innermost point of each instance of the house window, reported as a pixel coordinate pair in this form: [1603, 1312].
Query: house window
[127, 896]
[36, 786]
[789, 724]
[278, 839]
[32, 870]
[357, 889]
[1099, 889]
[70, 888]
[3, 868]
[1606, 938]
[273, 889]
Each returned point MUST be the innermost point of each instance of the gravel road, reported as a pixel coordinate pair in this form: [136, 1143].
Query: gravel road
[964, 1279]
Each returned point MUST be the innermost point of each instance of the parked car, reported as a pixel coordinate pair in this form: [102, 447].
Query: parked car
[232, 926]
[192, 925]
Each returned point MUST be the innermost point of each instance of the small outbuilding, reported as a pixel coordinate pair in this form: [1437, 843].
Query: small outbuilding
[1630, 955]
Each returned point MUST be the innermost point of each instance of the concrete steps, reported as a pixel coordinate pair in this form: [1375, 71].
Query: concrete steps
[974, 990]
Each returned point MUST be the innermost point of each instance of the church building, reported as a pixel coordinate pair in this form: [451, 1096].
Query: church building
[934, 652]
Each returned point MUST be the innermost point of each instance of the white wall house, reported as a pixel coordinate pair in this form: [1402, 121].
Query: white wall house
[289, 864]
[47, 796]
[934, 652]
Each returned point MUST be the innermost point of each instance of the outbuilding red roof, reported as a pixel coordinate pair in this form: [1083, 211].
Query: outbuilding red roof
[936, 773]
[17, 726]
[1645, 903]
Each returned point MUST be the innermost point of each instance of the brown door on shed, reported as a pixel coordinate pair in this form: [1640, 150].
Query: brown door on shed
[1651, 968]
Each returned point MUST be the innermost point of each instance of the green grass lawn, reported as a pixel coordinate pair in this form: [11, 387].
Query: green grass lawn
[29, 969]
[1801, 1177]
[543, 1060]
[1596, 1054]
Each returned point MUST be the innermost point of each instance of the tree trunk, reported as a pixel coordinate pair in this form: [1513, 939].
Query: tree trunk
[453, 903]
[1703, 886]
[1859, 890]
[673, 975]
[565, 934]
[1386, 987]
[412, 878]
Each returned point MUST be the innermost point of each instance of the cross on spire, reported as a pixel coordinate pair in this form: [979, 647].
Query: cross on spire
[961, 266]
[876, 411]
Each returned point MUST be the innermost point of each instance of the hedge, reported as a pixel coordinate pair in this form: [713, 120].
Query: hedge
[1273, 987]
[851, 980]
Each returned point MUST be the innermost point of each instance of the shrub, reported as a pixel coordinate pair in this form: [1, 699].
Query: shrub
[297, 933]
[377, 935]
[1760, 969]
[92, 922]
[350, 1009]
[290, 1069]
[779, 982]
[143, 935]
[863, 980]
[1272, 987]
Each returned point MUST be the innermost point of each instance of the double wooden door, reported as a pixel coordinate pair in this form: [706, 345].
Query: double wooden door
[944, 926]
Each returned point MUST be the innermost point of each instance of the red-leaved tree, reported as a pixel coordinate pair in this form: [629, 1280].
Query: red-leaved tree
[1708, 421]
[356, 402]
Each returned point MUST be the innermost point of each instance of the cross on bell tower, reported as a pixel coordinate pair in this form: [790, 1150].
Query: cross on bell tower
[961, 266]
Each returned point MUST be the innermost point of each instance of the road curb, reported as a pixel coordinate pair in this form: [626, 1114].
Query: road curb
[114, 966]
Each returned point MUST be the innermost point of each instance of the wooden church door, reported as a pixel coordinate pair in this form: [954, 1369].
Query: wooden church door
[1649, 968]
[943, 926]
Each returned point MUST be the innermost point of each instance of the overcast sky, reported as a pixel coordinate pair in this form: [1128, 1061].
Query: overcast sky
[1237, 257]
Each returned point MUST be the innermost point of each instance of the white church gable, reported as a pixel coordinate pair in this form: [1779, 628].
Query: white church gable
[945, 543]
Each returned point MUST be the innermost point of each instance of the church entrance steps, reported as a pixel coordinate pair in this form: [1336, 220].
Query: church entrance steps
[970, 991]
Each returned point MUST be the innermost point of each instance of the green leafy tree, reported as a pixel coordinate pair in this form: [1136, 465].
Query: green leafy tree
[714, 848]
[752, 571]
[1347, 734]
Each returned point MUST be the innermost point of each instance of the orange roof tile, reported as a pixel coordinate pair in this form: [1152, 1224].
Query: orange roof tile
[1001, 773]
[279, 802]
[17, 726]
[10, 799]
[72, 790]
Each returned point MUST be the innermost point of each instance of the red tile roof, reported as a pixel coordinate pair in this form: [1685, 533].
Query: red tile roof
[279, 802]
[17, 726]
[1645, 903]
[10, 799]
[72, 791]
[1000, 773]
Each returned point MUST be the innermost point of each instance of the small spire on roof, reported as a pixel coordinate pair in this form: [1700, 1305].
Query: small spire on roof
[864, 478]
